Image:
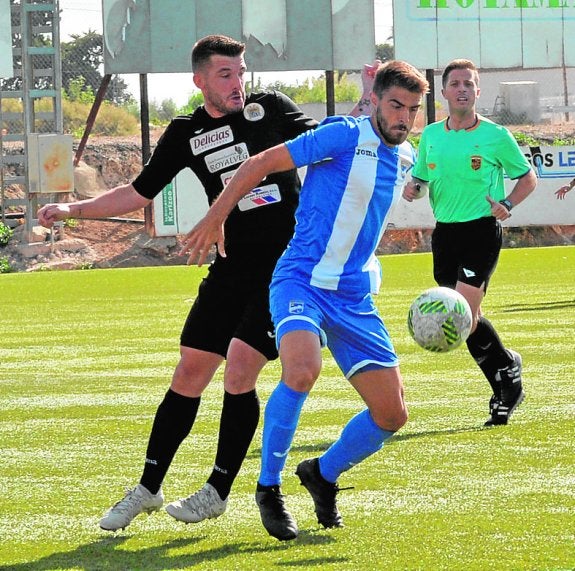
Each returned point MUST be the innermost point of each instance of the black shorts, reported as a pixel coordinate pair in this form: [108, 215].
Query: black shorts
[230, 308]
[466, 251]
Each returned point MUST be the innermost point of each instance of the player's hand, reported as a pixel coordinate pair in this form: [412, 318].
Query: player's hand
[368, 75]
[409, 191]
[498, 210]
[51, 213]
[199, 240]
[414, 189]
[560, 194]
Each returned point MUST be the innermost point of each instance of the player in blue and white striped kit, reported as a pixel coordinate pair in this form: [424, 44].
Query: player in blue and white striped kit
[321, 289]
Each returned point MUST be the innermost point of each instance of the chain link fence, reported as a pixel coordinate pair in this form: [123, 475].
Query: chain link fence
[544, 97]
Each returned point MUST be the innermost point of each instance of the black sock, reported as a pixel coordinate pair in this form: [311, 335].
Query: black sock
[238, 424]
[488, 351]
[174, 420]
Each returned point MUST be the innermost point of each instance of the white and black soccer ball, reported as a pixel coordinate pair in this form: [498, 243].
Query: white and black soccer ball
[439, 319]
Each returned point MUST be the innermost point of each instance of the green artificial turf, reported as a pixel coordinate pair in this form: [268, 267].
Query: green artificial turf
[86, 356]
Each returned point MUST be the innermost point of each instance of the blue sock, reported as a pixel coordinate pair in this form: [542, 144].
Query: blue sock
[280, 422]
[360, 438]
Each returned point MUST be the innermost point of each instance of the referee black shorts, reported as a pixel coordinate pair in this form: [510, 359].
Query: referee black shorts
[228, 308]
[466, 251]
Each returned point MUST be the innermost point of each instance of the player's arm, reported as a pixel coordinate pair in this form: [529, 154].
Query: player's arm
[524, 186]
[363, 106]
[562, 191]
[209, 230]
[116, 201]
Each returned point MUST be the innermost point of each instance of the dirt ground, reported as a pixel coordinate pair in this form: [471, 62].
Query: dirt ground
[126, 243]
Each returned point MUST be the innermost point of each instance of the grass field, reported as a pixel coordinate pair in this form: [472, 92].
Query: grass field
[86, 356]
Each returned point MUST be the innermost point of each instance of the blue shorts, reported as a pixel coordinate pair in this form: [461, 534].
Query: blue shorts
[348, 324]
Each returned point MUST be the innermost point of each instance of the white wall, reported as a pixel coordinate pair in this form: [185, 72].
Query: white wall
[178, 209]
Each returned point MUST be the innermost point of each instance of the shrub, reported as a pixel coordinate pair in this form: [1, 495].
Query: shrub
[85, 266]
[110, 121]
[5, 234]
[71, 223]
[5, 267]
[525, 140]
[195, 100]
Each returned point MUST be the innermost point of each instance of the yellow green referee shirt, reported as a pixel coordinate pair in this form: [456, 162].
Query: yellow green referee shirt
[463, 167]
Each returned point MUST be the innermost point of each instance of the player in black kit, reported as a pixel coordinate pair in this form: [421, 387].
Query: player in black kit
[230, 318]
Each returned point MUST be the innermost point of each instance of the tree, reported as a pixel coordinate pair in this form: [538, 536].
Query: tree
[83, 57]
[162, 113]
[384, 52]
[314, 90]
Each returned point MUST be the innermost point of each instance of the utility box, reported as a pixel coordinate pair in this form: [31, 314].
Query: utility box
[522, 102]
[50, 163]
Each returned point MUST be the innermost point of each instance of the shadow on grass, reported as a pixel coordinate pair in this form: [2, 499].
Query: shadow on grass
[442, 432]
[312, 449]
[543, 306]
[318, 448]
[107, 553]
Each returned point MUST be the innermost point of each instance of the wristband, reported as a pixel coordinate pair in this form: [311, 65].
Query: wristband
[507, 203]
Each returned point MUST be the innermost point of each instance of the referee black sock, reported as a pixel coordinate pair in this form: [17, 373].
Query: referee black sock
[173, 422]
[488, 351]
[238, 424]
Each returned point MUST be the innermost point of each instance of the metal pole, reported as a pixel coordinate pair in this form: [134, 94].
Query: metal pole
[430, 97]
[565, 92]
[330, 93]
[145, 118]
[92, 117]
[146, 153]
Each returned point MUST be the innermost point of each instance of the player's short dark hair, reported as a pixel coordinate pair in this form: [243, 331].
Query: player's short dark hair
[396, 73]
[215, 44]
[459, 64]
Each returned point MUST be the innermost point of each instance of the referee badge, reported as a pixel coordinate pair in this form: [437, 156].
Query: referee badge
[254, 112]
[476, 162]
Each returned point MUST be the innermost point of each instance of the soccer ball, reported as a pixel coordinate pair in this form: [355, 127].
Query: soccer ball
[439, 319]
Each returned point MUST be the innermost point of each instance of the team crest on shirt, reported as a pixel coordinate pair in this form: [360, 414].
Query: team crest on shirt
[296, 306]
[254, 112]
[475, 162]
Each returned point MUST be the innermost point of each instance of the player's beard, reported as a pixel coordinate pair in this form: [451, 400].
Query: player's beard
[226, 105]
[394, 135]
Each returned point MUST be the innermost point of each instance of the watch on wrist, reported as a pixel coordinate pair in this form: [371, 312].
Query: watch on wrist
[507, 203]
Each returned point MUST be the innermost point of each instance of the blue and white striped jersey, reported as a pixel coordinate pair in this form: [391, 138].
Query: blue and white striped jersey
[352, 181]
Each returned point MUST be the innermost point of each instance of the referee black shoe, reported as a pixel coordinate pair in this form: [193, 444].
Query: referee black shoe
[279, 523]
[322, 492]
[512, 393]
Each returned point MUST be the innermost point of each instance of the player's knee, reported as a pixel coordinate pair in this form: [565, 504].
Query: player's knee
[391, 420]
[238, 379]
[301, 377]
[189, 379]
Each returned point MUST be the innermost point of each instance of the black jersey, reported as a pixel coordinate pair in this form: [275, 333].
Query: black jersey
[259, 228]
